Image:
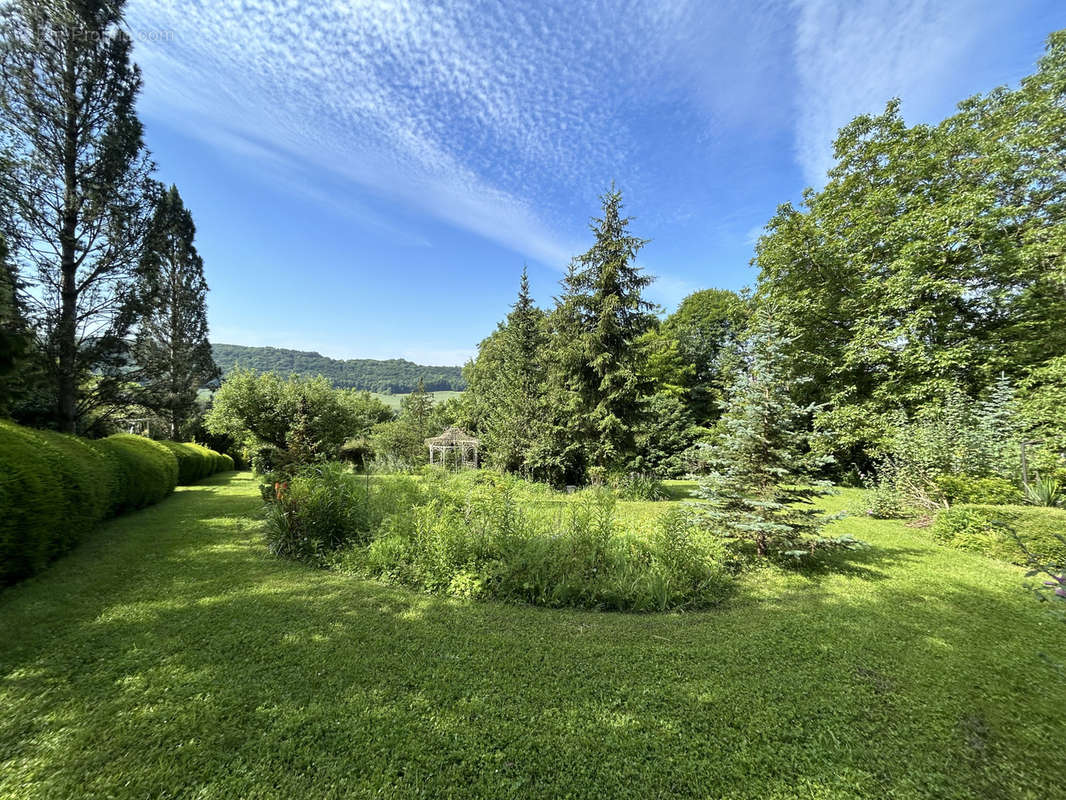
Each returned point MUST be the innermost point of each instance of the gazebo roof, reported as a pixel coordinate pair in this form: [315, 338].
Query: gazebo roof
[452, 436]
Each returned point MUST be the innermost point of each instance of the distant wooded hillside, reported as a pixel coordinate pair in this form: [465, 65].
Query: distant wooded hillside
[396, 375]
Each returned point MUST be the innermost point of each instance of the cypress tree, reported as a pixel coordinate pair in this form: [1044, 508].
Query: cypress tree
[171, 346]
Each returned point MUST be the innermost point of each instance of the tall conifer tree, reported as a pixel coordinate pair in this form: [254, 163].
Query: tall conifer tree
[77, 187]
[605, 288]
[514, 410]
[761, 486]
[171, 346]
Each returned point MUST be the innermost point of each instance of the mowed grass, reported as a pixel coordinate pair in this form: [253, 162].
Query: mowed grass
[394, 401]
[171, 656]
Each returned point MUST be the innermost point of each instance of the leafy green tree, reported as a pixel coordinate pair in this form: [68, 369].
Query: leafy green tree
[390, 376]
[929, 260]
[78, 187]
[1042, 416]
[268, 414]
[706, 326]
[667, 435]
[760, 489]
[604, 301]
[171, 346]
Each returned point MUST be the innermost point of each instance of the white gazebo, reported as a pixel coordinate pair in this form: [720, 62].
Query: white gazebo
[454, 441]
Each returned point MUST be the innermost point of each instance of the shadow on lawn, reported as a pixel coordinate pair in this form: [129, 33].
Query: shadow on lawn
[223, 672]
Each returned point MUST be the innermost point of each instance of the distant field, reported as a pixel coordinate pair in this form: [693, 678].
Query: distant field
[393, 400]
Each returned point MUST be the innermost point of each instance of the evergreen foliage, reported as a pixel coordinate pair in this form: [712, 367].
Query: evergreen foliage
[56, 488]
[171, 347]
[77, 189]
[506, 384]
[760, 489]
[604, 296]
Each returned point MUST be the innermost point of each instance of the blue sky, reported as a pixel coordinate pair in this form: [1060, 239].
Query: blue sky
[368, 178]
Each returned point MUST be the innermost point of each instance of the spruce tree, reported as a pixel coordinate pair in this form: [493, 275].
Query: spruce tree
[760, 489]
[77, 187]
[171, 346]
[604, 299]
[513, 412]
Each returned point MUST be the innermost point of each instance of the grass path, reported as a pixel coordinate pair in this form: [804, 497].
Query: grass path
[170, 656]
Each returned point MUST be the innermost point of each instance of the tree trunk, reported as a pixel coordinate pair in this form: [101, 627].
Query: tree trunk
[67, 333]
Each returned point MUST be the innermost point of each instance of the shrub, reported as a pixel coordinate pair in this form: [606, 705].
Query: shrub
[323, 507]
[991, 530]
[147, 470]
[993, 491]
[884, 501]
[54, 488]
[196, 461]
[490, 536]
[637, 486]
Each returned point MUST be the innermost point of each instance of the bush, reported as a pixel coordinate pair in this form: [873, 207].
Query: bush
[490, 536]
[983, 491]
[990, 530]
[637, 486]
[324, 507]
[147, 470]
[196, 462]
[54, 488]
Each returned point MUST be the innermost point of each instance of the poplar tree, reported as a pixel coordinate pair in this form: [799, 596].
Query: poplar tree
[171, 347]
[77, 188]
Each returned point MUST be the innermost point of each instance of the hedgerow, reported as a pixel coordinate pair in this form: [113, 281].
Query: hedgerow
[147, 470]
[54, 488]
[196, 461]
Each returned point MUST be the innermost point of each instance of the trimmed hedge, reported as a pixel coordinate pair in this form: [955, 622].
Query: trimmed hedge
[54, 488]
[196, 461]
[147, 470]
[986, 529]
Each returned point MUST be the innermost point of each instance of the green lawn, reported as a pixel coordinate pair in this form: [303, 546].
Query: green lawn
[170, 656]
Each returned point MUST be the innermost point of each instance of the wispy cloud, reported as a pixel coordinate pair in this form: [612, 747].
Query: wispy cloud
[852, 57]
[464, 111]
[505, 119]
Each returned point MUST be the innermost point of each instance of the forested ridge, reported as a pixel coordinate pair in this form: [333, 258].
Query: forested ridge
[391, 376]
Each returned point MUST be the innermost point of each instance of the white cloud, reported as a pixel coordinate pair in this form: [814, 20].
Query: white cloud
[851, 58]
[470, 114]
